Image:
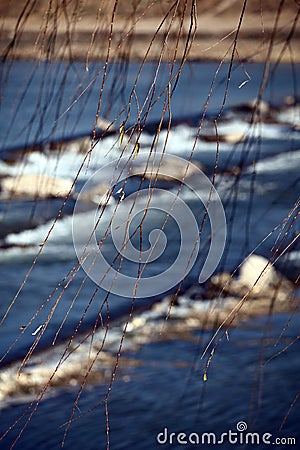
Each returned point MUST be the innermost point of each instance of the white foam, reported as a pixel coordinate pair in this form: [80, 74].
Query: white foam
[51, 253]
[257, 130]
[293, 256]
[180, 140]
[290, 115]
[59, 245]
[66, 163]
[287, 161]
[60, 233]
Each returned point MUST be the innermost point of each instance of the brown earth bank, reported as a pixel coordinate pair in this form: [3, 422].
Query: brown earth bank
[137, 29]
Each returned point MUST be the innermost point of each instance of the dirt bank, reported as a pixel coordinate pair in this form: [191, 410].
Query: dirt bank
[133, 30]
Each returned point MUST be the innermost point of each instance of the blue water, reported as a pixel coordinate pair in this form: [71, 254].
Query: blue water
[43, 100]
[166, 389]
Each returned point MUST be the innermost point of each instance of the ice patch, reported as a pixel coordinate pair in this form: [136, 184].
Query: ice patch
[288, 161]
[290, 115]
